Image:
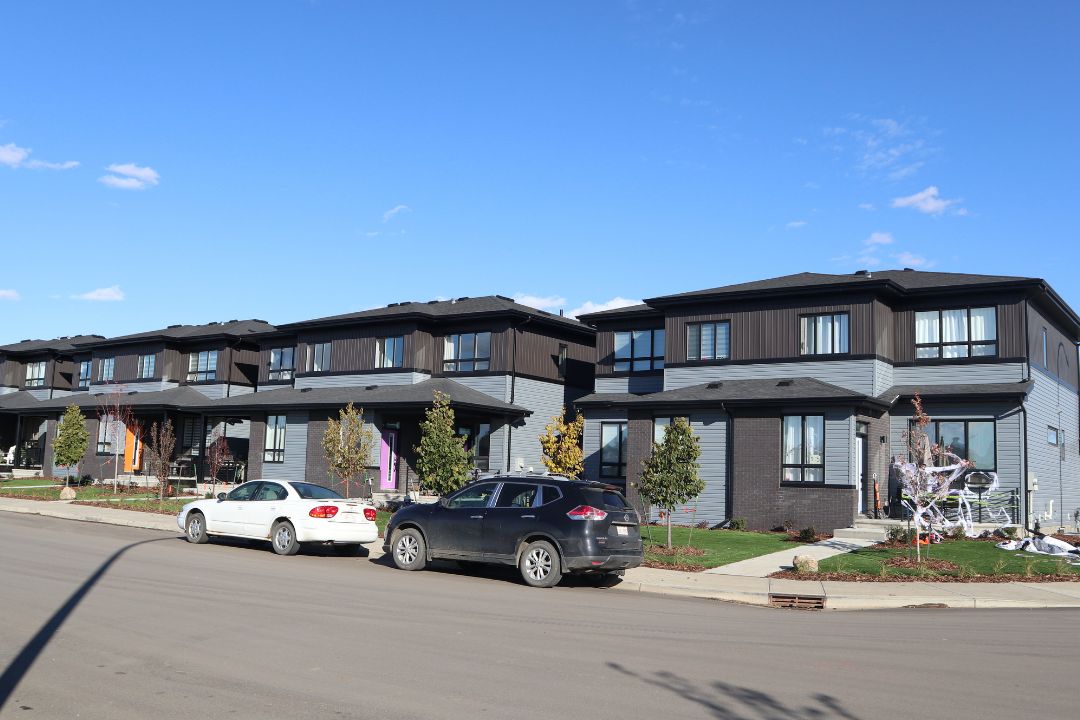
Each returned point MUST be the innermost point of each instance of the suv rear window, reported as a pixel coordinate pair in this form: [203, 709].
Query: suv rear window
[607, 499]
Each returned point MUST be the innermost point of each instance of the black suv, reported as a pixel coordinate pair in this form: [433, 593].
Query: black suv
[545, 525]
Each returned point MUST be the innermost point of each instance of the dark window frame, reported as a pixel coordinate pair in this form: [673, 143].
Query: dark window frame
[109, 362]
[147, 366]
[275, 454]
[716, 335]
[457, 364]
[967, 436]
[282, 371]
[209, 374]
[803, 466]
[564, 351]
[395, 358]
[629, 363]
[86, 371]
[320, 351]
[36, 382]
[970, 344]
[623, 436]
[815, 351]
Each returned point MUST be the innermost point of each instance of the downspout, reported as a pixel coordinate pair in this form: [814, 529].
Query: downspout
[1027, 494]
[513, 387]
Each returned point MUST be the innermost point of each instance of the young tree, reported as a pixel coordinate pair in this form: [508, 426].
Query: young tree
[561, 443]
[72, 438]
[441, 459]
[348, 444]
[159, 452]
[118, 419]
[670, 475]
[217, 454]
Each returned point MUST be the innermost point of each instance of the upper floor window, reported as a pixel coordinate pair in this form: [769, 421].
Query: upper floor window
[804, 449]
[613, 447]
[274, 451]
[561, 366]
[639, 350]
[1045, 349]
[960, 333]
[390, 352]
[708, 341]
[105, 369]
[1053, 436]
[202, 366]
[35, 374]
[467, 352]
[84, 374]
[319, 357]
[146, 366]
[282, 363]
[825, 334]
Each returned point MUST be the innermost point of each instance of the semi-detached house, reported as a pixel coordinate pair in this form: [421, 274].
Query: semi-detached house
[799, 390]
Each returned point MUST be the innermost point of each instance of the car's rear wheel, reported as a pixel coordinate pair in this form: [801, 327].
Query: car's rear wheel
[195, 528]
[409, 548]
[540, 565]
[283, 538]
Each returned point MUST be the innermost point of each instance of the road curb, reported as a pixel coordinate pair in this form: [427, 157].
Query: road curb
[89, 513]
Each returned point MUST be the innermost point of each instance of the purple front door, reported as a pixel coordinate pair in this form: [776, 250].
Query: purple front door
[388, 461]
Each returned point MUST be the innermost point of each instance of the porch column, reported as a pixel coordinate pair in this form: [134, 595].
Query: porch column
[18, 439]
[202, 451]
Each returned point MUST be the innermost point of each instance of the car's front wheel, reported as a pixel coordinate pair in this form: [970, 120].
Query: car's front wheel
[409, 548]
[283, 538]
[195, 528]
[540, 565]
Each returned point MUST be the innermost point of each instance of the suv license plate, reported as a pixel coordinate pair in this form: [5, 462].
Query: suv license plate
[622, 530]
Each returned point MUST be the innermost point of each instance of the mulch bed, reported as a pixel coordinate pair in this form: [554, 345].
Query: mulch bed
[681, 567]
[929, 564]
[867, 577]
[656, 557]
[1073, 540]
[26, 496]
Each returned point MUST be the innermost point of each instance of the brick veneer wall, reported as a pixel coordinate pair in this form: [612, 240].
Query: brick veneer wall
[639, 437]
[256, 446]
[756, 492]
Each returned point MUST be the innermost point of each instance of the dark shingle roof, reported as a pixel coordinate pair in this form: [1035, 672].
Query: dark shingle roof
[628, 311]
[368, 396]
[61, 344]
[445, 310]
[763, 391]
[969, 390]
[230, 328]
[179, 398]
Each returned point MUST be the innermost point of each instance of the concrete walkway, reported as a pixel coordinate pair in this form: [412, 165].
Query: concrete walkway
[765, 565]
[710, 585]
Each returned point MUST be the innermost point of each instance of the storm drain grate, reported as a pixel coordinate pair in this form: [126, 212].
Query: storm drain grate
[800, 602]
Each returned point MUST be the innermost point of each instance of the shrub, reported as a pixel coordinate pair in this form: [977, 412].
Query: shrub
[86, 479]
[808, 534]
[900, 534]
[1010, 531]
[737, 524]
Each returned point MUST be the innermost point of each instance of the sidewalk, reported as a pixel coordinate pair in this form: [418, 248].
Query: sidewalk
[710, 585]
[765, 565]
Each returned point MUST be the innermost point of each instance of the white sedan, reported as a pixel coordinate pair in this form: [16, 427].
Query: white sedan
[283, 512]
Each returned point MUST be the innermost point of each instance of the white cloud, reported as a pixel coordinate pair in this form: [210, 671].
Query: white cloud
[590, 307]
[796, 224]
[867, 206]
[550, 302]
[882, 148]
[107, 294]
[9, 295]
[912, 260]
[397, 209]
[129, 176]
[16, 157]
[926, 201]
[879, 238]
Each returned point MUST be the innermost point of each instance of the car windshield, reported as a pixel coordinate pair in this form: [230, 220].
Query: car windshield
[608, 499]
[310, 491]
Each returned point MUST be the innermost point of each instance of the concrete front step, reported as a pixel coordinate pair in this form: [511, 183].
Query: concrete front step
[23, 473]
[860, 533]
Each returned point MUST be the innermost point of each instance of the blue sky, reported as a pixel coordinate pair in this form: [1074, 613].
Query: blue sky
[197, 161]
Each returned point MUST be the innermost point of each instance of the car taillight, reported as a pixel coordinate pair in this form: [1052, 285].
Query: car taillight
[323, 511]
[369, 514]
[586, 512]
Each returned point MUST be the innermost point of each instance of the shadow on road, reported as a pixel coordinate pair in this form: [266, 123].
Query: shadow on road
[22, 662]
[731, 702]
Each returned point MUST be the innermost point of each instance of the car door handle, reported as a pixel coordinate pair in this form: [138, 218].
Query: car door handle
[530, 517]
[476, 517]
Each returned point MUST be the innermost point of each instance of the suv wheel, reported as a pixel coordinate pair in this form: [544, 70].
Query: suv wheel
[540, 564]
[409, 548]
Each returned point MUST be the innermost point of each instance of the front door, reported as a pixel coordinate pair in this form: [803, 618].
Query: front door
[860, 469]
[388, 458]
[133, 450]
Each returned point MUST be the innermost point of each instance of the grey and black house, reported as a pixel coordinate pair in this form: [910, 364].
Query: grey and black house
[799, 388]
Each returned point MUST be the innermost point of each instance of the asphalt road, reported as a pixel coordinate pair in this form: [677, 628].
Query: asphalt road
[170, 630]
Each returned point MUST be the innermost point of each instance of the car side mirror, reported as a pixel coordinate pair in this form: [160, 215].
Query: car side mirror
[445, 502]
[220, 496]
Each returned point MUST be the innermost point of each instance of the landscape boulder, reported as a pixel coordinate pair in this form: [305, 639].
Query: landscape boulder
[805, 564]
[67, 493]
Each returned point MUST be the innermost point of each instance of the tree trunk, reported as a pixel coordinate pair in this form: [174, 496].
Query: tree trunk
[669, 529]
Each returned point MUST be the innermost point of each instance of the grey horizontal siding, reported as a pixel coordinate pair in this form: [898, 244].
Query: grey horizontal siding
[839, 448]
[1053, 404]
[857, 375]
[711, 506]
[361, 380]
[295, 465]
[497, 386]
[591, 437]
[125, 388]
[639, 384]
[884, 376]
[964, 373]
[545, 399]
[6, 390]
[235, 390]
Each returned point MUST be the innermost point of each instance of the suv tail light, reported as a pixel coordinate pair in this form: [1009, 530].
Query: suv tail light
[586, 512]
[369, 514]
[323, 511]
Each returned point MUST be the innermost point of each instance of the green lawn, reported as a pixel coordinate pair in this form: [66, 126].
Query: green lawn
[720, 546]
[87, 492]
[972, 556]
[169, 506]
[28, 482]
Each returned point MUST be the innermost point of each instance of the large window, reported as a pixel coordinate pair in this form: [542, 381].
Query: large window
[639, 350]
[804, 449]
[960, 333]
[282, 363]
[110, 433]
[146, 366]
[190, 436]
[477, 443]
[467, 352]
[274, 451]
[613, 450]
[105, 369]
[84, 373]
[35, 374]
[972, 440]
[390, 352]
[708, 341]
[319, 357]
[202, 366]
[823, 334]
